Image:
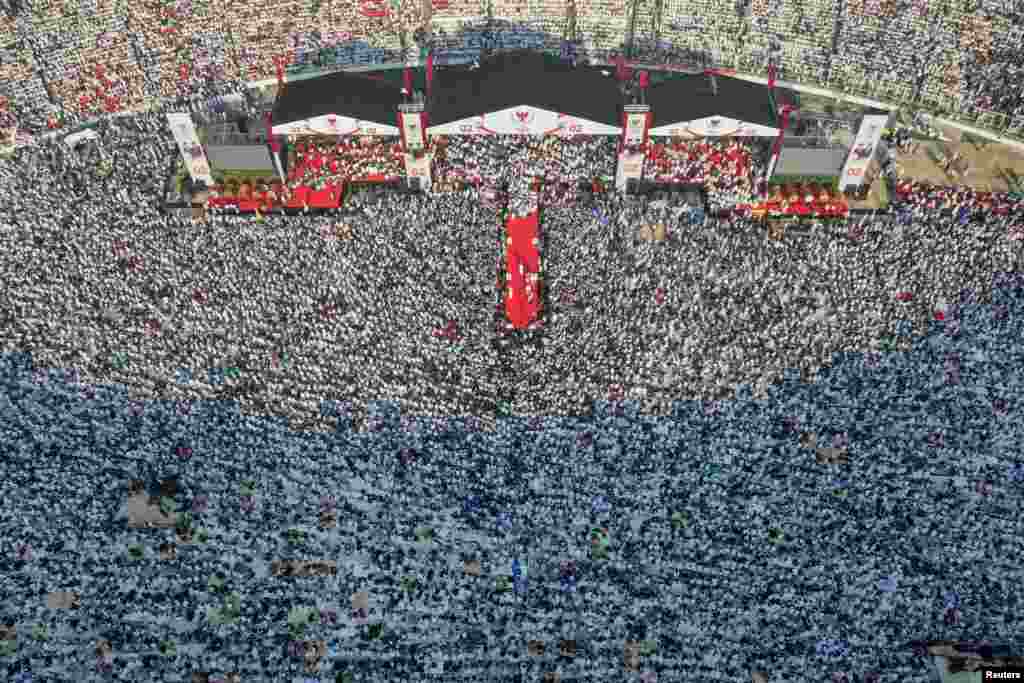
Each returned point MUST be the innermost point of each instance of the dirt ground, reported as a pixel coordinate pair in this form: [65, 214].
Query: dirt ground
[986, 162]
[876, 199]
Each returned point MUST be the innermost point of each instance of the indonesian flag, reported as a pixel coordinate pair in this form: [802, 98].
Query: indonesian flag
[430, 71]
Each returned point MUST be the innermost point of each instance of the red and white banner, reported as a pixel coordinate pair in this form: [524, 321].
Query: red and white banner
[862, 152]
[714, 126]
[636, 126]
[631, 165]
[419, 167]
[192, 153]
[332, 124]
[414, 134]
[524, 120]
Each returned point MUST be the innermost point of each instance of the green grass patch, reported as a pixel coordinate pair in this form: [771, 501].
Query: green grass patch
[242, 173]
[831, 182]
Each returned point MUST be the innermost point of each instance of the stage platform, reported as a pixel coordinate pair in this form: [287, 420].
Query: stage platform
[329, 197]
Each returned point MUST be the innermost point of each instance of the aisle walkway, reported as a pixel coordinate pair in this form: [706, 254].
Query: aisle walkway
[522, 258]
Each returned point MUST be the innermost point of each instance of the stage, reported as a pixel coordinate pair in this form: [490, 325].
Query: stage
[328, 197]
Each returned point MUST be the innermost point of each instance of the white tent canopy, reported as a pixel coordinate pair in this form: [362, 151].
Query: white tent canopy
[714, 126]
[334, 124]
[524, 120]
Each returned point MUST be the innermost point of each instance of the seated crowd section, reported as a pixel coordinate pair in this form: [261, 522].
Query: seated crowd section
[728, 170]
[352, 159]
[80, 58]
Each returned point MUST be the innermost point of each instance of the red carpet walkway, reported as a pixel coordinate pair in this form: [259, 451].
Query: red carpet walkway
[522, 258]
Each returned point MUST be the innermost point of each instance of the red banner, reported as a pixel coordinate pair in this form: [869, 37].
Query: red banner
[430, 71]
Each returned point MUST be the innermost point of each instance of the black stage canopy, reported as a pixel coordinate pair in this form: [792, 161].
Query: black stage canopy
[685, 97]
[344, 94]
[524, 79]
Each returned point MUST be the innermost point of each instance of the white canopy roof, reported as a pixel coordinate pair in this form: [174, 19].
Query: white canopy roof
[334, 124]
[524, 120]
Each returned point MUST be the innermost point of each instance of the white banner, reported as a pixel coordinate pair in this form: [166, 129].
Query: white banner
[572, 125]
[192, 153]
[630, 166]
[521, 121]
[332, 124]
[863, 150]
[414, 133]
[419, 168]
[471, 126]
[714, 126]
[524, 121]
[636, 126]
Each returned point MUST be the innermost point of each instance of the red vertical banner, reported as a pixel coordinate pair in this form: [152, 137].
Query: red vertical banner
[401, 131]
[430, 71]
[771, 76]
[645, 80]
[407, 80]
[782, 129]
[625, 132]
[647, 127]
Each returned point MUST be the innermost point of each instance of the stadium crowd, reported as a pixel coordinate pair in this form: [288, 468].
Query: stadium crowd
[649, 549]
[384, 323]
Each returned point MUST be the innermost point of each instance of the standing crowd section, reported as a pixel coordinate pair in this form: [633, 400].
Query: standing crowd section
[727, 453]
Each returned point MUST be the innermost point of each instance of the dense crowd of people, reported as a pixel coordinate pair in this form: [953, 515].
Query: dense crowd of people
[73, 62]
[729, 171]
[128, 330]
[650, 550]
[489, 161]
[360, 159]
